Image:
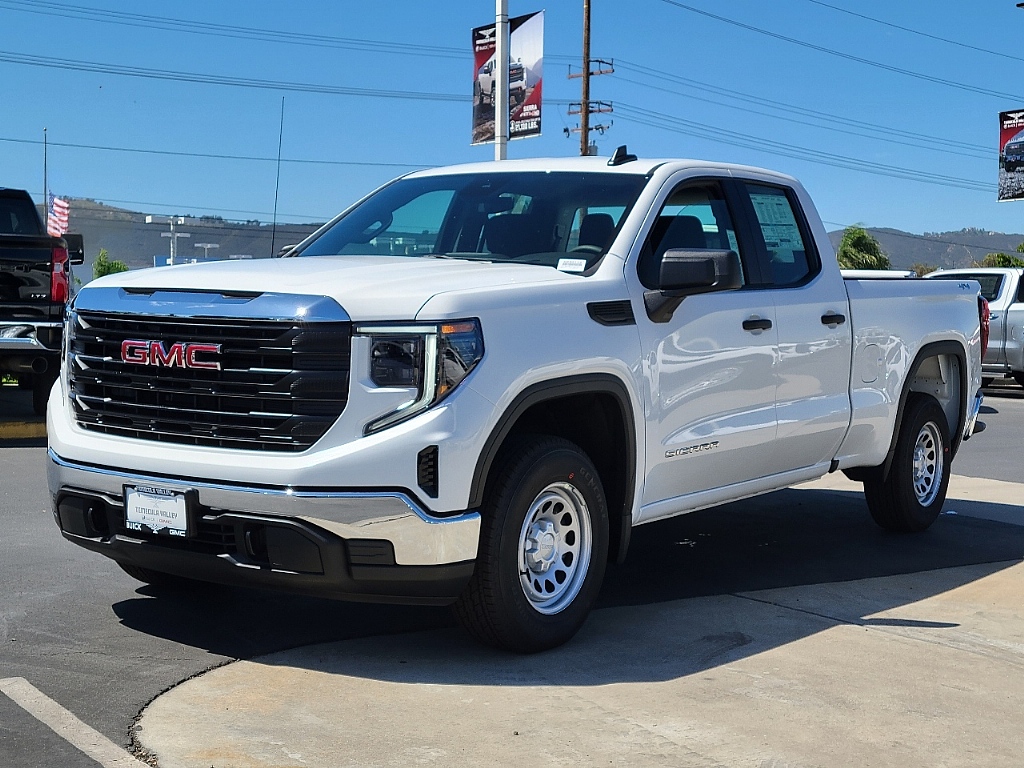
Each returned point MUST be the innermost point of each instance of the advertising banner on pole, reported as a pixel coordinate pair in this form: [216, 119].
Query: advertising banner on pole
[1011, 155]
[525, 76]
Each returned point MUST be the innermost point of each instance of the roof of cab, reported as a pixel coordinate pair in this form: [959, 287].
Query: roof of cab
[642, 166]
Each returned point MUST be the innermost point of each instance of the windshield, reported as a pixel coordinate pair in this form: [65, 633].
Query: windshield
[563, 220]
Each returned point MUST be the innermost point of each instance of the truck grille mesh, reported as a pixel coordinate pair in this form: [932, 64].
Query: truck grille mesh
[280, 387]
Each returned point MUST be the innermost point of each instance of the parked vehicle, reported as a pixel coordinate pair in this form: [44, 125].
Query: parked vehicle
[1004, 290]
[585, 346]
[488, 76]
[35, 285]
[1013, 153]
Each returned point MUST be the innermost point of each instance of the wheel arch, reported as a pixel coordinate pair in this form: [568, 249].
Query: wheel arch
[592, 410]
[930, 374]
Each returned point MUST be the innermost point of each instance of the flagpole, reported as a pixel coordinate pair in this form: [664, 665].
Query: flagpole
[277, 185]
[46, 199]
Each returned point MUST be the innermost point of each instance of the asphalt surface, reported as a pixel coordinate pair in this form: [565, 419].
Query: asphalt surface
[103, 646]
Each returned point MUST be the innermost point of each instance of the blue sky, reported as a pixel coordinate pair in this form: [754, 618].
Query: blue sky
[686, 85]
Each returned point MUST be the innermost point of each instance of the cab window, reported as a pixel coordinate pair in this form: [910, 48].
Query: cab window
[694, 217]
[790, 260]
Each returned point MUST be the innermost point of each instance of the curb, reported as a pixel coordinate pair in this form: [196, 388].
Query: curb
[22, 430]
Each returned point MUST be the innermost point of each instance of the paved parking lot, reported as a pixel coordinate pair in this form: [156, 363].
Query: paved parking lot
[782, 631]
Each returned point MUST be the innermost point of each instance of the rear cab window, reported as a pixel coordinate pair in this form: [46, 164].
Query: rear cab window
[991, 284]
[792, 258]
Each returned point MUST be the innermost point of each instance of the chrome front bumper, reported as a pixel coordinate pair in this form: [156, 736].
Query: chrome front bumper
[419, 539]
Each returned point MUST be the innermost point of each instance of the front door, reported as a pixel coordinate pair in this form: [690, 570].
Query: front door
[710, 368]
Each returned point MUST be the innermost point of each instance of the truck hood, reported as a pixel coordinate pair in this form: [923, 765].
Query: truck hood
[367, 287]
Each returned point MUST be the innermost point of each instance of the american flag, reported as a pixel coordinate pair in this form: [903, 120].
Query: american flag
[57, 220]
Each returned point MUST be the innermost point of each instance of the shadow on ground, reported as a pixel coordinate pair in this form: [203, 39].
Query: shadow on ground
[716, 558]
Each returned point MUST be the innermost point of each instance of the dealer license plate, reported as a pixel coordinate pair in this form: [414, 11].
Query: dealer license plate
[155, 510]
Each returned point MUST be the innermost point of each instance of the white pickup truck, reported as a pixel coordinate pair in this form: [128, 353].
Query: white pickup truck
[1004, 290]
[471, 385]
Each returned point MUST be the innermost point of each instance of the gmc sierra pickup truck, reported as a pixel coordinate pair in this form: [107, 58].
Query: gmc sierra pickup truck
[35, 285]
[471, 385]
[1004, 289]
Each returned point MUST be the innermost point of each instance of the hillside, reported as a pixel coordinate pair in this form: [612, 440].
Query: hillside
[128, 238]
[939, 249]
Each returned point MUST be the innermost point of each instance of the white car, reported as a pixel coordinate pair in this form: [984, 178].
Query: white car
[565, 349]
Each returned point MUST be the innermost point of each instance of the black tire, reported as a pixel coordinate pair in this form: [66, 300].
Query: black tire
[158, 578]
[1018, 376]
[42, 383]
[910, 499]
[538, 485]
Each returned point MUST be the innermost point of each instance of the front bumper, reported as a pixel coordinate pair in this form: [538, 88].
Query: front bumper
[379, 546]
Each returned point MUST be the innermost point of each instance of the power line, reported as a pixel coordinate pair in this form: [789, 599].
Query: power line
[796, 109]
[847, 56]
[194, 26]
[688, 127]
[243, 82]
[989, 155]
[217, 156]
[917, 32]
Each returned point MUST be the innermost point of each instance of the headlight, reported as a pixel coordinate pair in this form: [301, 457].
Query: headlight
[431, 359]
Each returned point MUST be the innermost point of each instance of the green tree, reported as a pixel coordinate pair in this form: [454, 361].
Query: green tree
[859, 250]
[104, 266]
[1001, 260]
[923, 269]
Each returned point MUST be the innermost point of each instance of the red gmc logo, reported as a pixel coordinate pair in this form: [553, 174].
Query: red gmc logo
[178, 354]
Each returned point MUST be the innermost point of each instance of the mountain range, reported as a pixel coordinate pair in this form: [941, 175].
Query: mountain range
[127, 237]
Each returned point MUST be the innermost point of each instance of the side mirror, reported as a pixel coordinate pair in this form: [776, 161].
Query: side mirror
[686, 272]
[76, 248]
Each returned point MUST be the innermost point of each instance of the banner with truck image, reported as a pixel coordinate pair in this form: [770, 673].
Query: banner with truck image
[1011, 155]
[525, 74]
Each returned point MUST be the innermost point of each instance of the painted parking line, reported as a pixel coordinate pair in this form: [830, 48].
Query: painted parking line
[22, 430]
[44, 709]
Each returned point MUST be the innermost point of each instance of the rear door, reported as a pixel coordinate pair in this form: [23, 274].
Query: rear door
[812, 317]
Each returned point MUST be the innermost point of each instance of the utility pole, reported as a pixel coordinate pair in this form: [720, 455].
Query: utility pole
[587, 107]
[173, 221]
[501, 85]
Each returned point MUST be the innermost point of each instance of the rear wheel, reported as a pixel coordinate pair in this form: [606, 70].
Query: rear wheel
[911, 497]
[543, 548]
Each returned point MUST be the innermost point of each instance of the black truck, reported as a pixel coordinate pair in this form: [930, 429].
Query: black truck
[35, 286]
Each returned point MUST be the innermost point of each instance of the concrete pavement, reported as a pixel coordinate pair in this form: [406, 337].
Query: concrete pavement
[912, 669]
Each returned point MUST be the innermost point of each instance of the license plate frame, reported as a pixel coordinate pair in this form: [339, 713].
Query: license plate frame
[159, 511]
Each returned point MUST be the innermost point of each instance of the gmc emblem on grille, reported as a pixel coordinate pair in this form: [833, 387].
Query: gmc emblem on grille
[180, 354]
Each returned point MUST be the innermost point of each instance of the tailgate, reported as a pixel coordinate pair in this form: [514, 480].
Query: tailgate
[25, 264]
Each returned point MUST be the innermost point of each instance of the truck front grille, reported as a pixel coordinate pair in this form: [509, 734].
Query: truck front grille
[280, 386]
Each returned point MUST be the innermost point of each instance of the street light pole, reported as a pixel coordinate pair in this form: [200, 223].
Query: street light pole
[501, 86]
[173, 221]
[206, 248]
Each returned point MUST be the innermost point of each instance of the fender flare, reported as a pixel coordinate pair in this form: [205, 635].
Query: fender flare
[588, 383]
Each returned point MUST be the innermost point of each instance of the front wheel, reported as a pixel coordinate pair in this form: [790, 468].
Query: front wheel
[543, 548]
[911, 497]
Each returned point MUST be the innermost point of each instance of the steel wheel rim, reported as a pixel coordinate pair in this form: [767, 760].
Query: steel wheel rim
[928, 464]
[555, 545]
